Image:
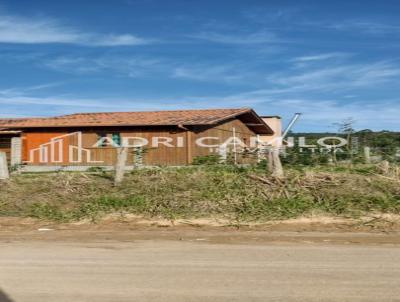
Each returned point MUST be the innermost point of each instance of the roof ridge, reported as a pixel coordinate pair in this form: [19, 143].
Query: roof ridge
[149, 111]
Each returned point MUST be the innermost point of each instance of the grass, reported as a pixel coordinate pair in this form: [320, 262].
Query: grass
[202, 191]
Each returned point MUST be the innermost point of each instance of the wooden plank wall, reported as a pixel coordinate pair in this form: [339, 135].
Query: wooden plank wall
[223, 131]
[161, 156]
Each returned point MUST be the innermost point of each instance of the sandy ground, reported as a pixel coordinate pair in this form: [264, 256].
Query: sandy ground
[123, 261]
[197, 270]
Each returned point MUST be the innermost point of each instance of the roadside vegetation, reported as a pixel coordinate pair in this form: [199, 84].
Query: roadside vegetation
[205, 191]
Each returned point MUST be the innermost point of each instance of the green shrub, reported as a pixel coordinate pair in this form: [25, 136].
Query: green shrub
[213, 159]
[225, 191]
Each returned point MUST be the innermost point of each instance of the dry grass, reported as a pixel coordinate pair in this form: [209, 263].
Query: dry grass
[236, 194]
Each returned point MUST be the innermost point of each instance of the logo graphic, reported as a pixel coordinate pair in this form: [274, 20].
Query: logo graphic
[53, 151]
[68, 148]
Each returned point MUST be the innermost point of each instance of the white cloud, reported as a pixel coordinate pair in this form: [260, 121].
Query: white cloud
[21, 30]
[345, 76]
[117, 40]
[132, 66]
[28, 103]
[119, 65]
[320, 57]
[268, 15]
[207, 73]
[368, 27]
[17, 91]
[76, 65]
[224, 38]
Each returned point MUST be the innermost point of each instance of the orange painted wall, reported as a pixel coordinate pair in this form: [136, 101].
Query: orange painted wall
[33, 140]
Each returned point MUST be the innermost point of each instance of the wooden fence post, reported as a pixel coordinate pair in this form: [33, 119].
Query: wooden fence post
[270, 161]
[278, 169]
[367, 155]
[122, 156]
[4, 174]
[16, 146]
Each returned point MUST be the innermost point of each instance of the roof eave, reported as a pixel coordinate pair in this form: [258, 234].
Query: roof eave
[262, 123]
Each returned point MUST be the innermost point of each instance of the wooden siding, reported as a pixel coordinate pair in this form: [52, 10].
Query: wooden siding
[162, 155]
[223, 132]
[183, 153]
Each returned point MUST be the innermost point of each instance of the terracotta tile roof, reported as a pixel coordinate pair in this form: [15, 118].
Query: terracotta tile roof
[144, 118]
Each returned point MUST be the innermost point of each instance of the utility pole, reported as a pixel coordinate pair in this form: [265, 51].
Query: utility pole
[234, 146]
[291, 124]
[277, 166]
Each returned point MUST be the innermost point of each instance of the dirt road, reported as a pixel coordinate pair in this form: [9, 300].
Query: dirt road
[198, 266]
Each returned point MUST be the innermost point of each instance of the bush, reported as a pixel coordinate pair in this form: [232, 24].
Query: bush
[207, 160]
[204, 191]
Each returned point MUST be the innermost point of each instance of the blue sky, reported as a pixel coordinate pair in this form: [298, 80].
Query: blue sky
[329, 60]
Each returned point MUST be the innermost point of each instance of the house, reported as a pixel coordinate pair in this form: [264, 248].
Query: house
[167, 138]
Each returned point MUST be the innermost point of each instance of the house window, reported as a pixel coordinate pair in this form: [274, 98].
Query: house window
[116, 138]
[101, 139]
[105, 139]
